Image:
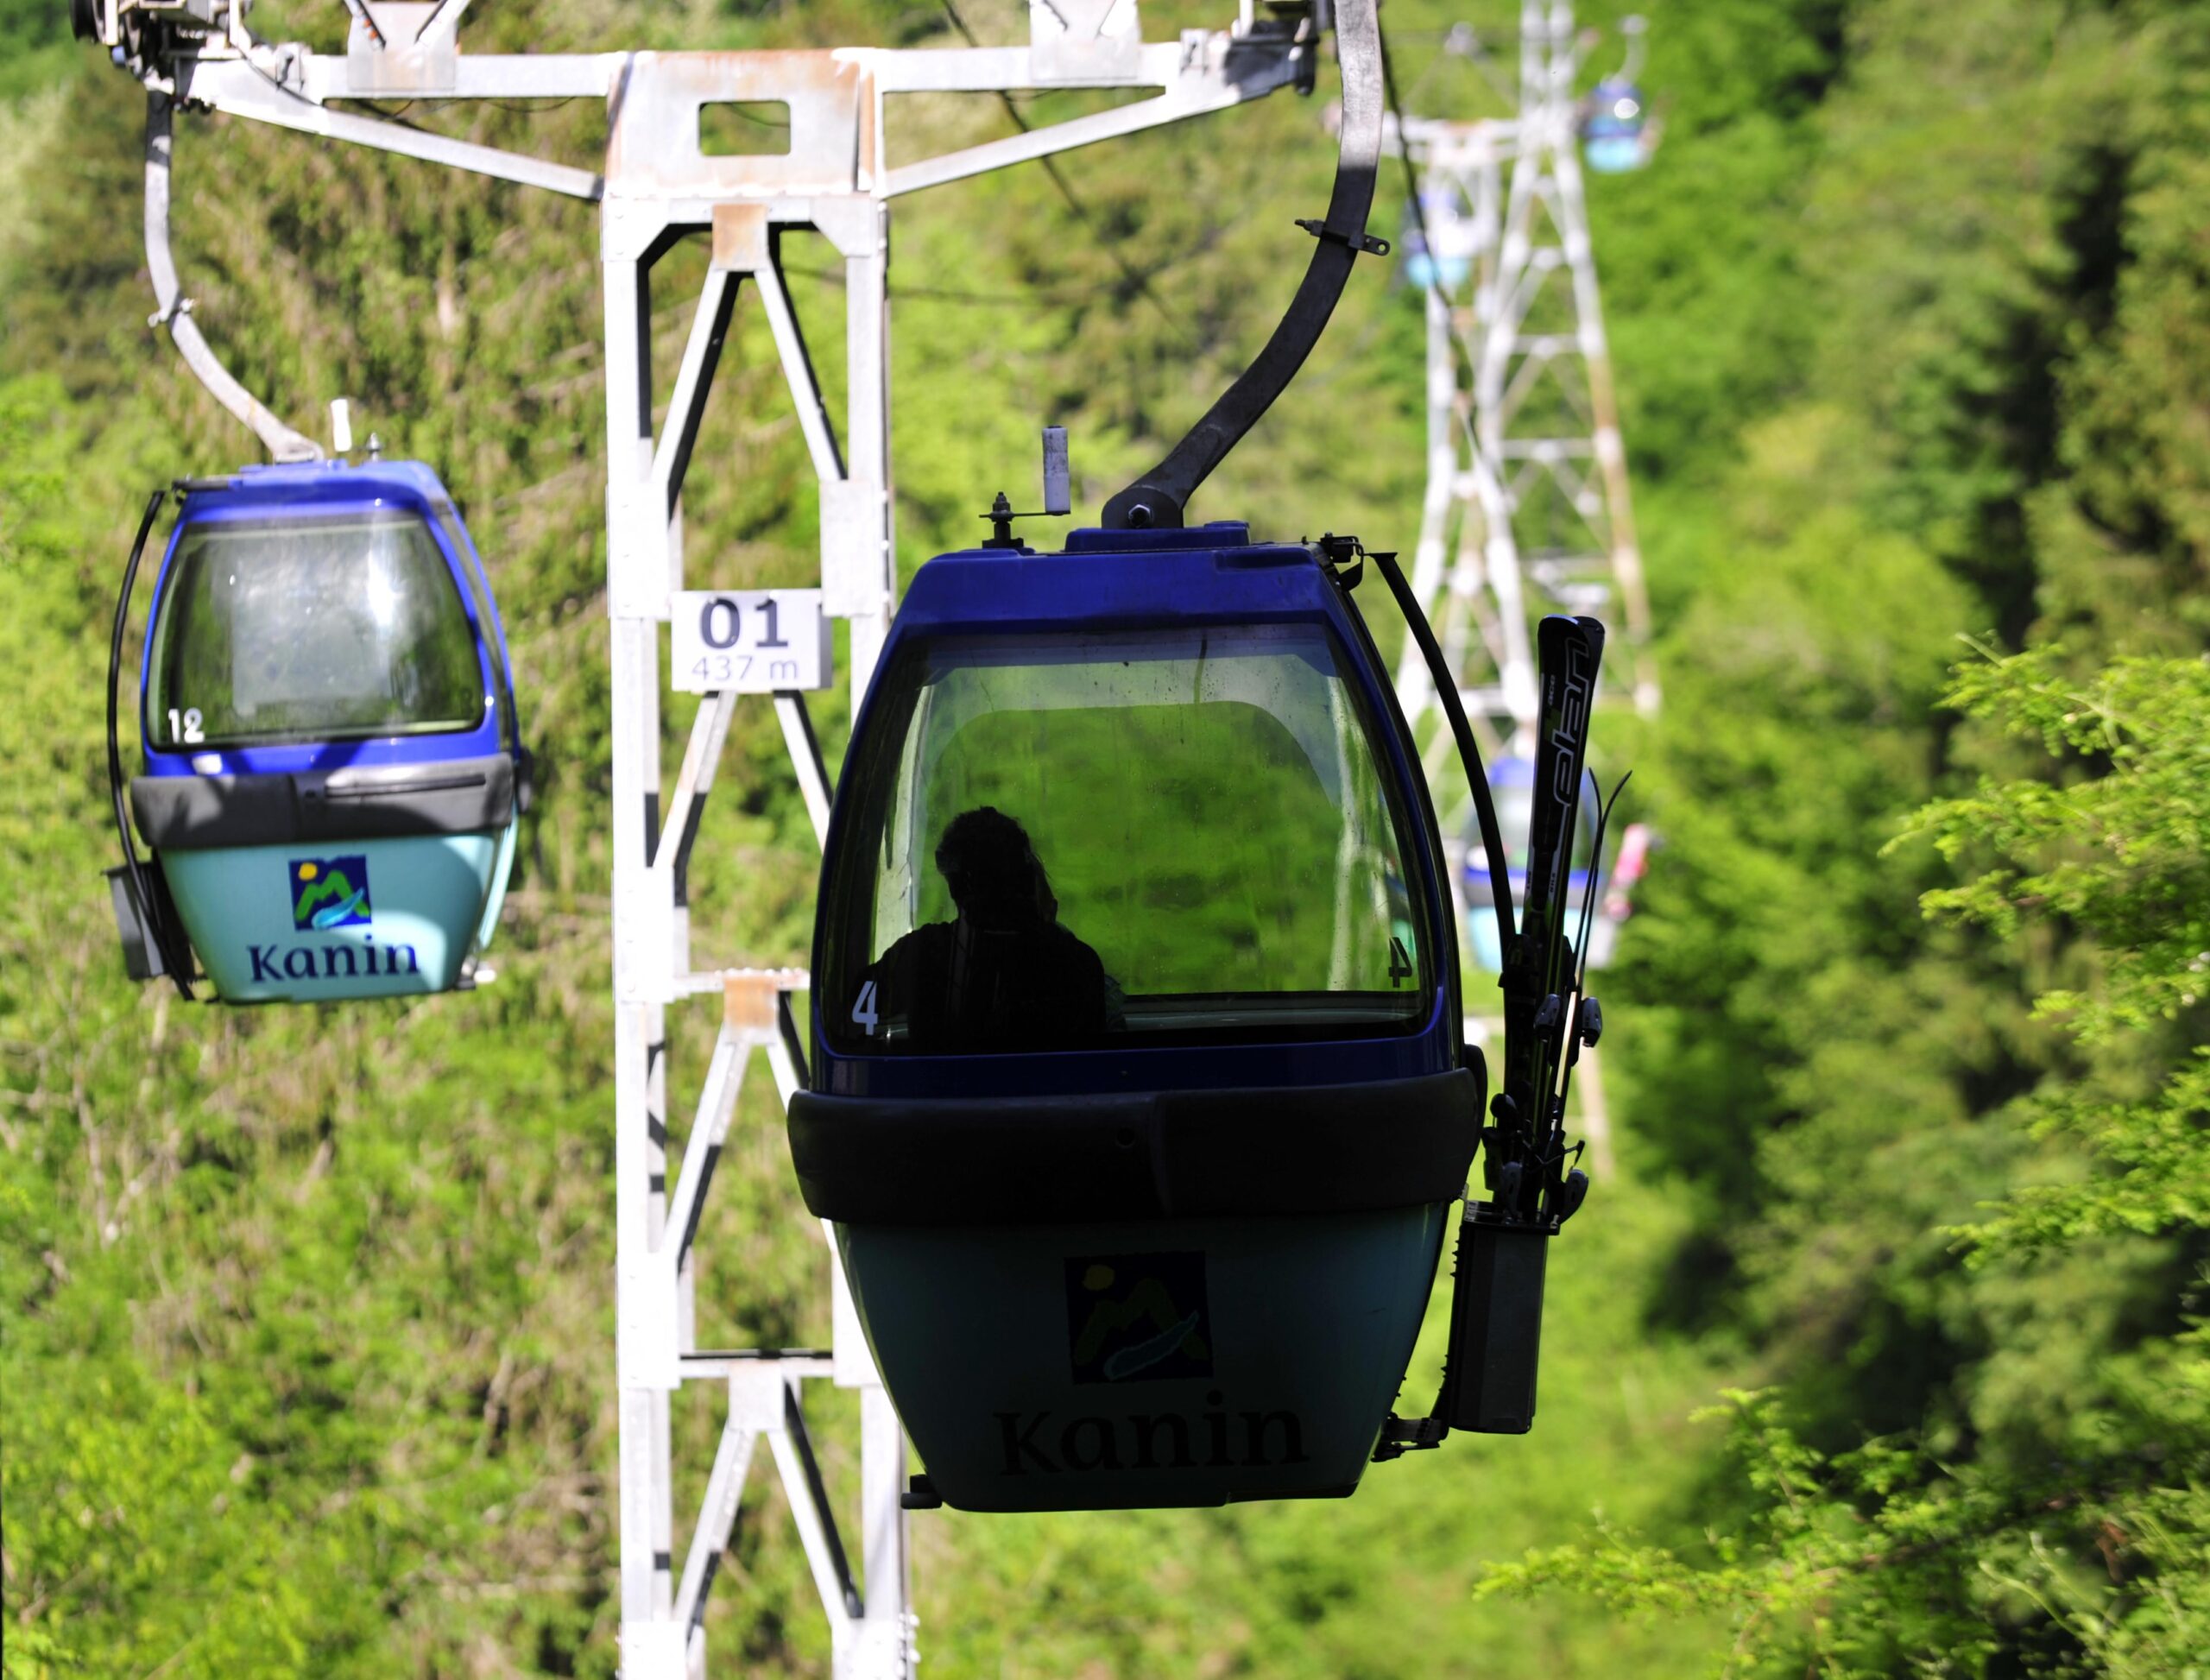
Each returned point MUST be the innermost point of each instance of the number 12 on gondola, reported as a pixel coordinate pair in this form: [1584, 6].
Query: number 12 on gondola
[755, 641]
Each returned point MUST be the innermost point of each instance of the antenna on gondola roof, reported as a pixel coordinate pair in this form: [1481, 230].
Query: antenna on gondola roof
[1057, 500]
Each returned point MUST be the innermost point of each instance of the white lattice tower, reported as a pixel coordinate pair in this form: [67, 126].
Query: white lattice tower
[1527, 509]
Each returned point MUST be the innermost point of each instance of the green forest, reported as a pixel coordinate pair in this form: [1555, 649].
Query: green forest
[1885, 1349]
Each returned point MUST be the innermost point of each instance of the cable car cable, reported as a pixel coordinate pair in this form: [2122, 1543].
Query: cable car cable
[1133, 275]
[1434, 286]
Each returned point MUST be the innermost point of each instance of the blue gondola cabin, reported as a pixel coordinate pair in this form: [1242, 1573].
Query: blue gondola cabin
[333, 761]
[1138, 1096]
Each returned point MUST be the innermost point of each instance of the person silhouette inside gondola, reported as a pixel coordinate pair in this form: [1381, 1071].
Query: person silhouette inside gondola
[1003, 976]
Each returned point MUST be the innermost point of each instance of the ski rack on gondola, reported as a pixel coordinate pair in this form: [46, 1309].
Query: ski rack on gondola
[656, 187]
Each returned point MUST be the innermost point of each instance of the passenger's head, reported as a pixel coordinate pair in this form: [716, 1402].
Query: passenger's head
[992, 870]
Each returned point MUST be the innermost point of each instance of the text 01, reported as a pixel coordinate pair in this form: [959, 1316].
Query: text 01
[753, 641]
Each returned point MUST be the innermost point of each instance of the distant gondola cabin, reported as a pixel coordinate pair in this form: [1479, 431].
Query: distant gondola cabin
[333, 761]
[1615, 136]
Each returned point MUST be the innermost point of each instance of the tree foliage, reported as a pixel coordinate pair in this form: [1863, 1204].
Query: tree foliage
[2122, 856]
[1952, 1167]
[1894, 1555]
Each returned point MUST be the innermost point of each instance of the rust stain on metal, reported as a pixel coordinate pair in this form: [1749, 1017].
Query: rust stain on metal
[749, 1001]
[741, 237]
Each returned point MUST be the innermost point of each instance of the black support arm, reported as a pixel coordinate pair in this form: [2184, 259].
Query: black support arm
[1158, 497]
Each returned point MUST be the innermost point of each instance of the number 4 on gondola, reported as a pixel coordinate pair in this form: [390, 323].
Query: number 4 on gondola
[756, 641]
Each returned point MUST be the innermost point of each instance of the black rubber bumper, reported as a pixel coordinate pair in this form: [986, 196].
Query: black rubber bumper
[459, 795]
[1162, 1155]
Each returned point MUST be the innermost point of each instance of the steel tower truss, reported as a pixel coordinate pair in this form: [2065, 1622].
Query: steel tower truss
[658, 188]
[1527, 508]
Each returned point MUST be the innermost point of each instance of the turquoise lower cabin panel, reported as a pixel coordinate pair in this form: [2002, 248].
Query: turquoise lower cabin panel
[1176, 1362]
[333, 919]
[502, 868]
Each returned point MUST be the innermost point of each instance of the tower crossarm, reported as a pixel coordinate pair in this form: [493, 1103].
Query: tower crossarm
[289, 86]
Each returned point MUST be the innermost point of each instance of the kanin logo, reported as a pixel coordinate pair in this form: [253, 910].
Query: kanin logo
[330, 892]
[1132, 1316]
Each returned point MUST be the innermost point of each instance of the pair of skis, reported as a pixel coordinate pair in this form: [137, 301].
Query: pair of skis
[1549, 1017]
[1496, 1305]
[1548, 1014]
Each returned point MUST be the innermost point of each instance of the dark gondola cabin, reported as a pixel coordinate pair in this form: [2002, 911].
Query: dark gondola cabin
[1613, 128]
[1138, 1093]
[332, 760]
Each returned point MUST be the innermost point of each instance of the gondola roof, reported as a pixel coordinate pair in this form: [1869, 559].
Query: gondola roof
[295, 485]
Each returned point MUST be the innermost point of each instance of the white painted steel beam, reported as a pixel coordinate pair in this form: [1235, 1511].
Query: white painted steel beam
[686, 408]
[1179, 104]
[239, 88]
[805, 758]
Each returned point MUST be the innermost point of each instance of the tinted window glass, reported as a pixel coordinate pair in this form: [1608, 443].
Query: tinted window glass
[1069, 840]
[312, 629]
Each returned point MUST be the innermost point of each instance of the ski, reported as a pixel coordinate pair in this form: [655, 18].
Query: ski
[1569, 652]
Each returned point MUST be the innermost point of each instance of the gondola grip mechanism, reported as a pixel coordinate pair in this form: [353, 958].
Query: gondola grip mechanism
[1159, 499]
[1344, 559]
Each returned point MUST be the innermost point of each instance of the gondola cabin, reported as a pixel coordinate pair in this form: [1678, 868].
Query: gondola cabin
[332, 760]
[1137, 1089]
[1512, 785]
[1437, 244]
[1613, 128]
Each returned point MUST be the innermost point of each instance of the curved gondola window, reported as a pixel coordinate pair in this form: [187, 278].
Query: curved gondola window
[1071, 840]
[312, 629]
